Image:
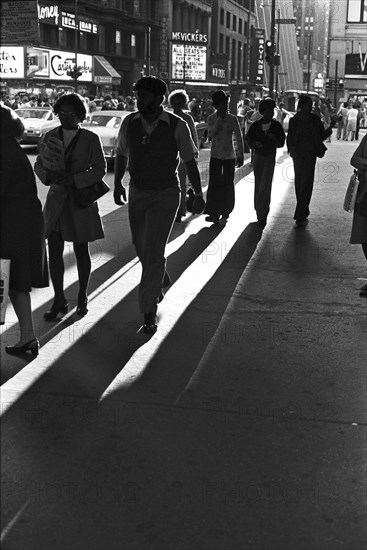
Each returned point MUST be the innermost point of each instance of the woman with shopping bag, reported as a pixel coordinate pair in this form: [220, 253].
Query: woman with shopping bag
[22, 233]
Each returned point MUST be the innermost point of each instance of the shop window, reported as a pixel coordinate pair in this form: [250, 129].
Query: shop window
[357, 11]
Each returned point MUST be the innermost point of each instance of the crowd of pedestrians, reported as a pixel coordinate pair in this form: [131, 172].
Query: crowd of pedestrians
[160, 148]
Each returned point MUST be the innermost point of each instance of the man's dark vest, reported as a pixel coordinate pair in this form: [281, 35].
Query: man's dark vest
[154, 158]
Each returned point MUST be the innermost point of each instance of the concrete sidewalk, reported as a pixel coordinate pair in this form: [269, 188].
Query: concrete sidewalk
[240, 425]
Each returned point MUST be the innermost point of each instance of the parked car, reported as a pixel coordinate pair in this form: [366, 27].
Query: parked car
[106, 124]
[37, 122]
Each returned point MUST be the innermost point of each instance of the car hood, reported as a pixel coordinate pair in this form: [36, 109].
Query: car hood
[103, 132]
[34, 122]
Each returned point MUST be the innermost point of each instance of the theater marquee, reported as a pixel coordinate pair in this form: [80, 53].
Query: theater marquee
[189, 57]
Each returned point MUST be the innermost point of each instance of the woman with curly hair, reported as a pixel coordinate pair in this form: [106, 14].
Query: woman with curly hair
[70, 158]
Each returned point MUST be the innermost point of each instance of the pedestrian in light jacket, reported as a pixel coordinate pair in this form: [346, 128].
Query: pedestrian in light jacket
[264, 137]
[79, 162]
[222, 126]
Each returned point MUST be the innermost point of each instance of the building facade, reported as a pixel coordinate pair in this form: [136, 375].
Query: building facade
[347, 66]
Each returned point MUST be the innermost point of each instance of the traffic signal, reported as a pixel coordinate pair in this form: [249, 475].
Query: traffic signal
[75, 74]
[328, 84]
[269, 52]
[341, 84]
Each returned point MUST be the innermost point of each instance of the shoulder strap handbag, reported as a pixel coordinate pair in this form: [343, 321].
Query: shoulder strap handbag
[84, 196]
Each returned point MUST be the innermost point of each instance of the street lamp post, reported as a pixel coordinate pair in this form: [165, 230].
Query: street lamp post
[272, 38]
[76, 45]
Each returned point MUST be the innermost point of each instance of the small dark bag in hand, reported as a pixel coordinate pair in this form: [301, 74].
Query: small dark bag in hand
[88, 195]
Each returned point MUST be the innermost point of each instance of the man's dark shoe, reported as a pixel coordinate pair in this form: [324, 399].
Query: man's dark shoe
[212, 219]
[150, 323]
[261, 223]
[301, 222]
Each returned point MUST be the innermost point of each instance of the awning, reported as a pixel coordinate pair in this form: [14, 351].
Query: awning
[351, 83]
[103, 72]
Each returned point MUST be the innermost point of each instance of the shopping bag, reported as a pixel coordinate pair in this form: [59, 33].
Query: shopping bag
[351, 193]
[4, 287]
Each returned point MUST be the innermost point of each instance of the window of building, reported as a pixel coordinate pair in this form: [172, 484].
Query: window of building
[50, 35]
[234, 23]
[227, 45]
[240, 25]
[101, 38]
[233, 59]
[221, 43]
[228, 23]
[221, 20]
[118, 42]
[357, 11]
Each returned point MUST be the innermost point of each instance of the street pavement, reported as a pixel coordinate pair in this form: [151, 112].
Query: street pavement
[240, 425]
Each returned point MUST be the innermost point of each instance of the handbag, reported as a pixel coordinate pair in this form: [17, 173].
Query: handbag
[88, 195]
[351, 193]
[320, 149]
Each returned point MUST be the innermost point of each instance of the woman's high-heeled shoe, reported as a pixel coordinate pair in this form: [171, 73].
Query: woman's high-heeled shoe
[81, 308]
[33, 346]
[53, 312]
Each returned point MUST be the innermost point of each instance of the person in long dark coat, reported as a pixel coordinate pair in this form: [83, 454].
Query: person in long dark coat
[70, 157]
[305, 135]
[22, 229]
[359, 226]
[264, 137]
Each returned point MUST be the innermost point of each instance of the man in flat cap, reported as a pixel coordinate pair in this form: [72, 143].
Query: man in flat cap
[264, 137]
[223, 159]
[152, 141]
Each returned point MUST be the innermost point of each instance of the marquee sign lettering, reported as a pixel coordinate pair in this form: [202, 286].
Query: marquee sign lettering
[189, 37]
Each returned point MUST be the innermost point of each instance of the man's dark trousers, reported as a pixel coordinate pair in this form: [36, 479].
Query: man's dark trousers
[304, 173]
[151, 216]
[220, 196]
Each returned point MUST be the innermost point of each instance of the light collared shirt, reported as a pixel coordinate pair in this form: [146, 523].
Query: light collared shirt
[185, 144]
[221, 131]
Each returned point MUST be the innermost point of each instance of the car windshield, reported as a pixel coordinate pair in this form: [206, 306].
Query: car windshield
[32, 113]
[109, 121]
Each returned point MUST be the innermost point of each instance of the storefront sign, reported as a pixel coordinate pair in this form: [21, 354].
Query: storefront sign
[356, 63]
[218, 72]
[19, 22]
[258, 61]
[51, 16]
[11, 62]
[62, 62]
[54, 65]
[188, 62]
[190, 37]
[68, 21]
